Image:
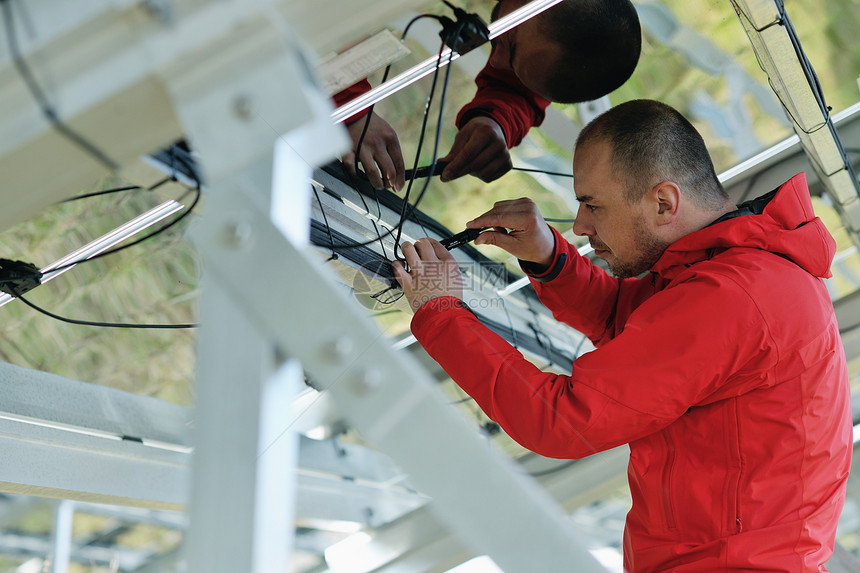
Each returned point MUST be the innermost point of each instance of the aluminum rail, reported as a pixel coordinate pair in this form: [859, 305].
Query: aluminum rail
[105, 242]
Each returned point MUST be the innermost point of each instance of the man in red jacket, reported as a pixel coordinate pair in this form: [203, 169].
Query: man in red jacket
[718, 357]
[578, 50]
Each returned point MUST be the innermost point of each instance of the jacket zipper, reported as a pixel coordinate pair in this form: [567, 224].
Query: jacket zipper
[668, 502]
[737, 483]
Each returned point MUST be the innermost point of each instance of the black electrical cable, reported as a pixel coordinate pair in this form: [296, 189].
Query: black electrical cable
[384, 78]
[360, 143]
[103, 324]
[406, 206]
[118, 190]
[325, 220]
[408, 209]
[139, 240]
[367, 126]
[158, 231]
[33, 86]
[783, 20]
[396, 295]
[394, 202]
[543, 171]
[13, 292]
[100, 193]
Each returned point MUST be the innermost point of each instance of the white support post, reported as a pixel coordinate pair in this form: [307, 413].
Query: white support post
[243, 471]
[244, 467]
[64, 514]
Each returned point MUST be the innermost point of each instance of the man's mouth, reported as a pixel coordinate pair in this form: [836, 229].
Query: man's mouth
[599, 249]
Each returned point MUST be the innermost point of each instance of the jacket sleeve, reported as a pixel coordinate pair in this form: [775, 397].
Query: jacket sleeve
[504, 98]
[348, 94]
[642, 380]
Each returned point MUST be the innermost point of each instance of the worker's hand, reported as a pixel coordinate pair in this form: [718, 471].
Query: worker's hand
[518, 228]
[479, 149]
[433, 272]
[380, 154]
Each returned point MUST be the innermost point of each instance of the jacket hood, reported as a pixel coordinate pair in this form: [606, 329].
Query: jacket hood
[787, 226]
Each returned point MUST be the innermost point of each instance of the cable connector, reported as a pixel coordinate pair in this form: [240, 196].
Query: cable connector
[466, 34]
[18, 277]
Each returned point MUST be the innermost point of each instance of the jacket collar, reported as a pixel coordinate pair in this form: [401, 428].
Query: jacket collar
[782, 222]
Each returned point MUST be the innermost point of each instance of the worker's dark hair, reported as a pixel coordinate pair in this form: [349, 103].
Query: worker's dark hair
[653, 142]
[601, 41]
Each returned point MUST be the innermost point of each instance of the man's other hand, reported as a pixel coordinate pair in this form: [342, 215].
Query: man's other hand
[433, 272]
[479, 149]
[380, 154]
[518, 228]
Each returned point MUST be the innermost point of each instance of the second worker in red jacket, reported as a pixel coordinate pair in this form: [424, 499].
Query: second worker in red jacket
[578, 50]
[718, 358]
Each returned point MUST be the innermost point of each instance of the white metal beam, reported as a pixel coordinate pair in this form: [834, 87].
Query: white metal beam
[47, 421]
[55, 462]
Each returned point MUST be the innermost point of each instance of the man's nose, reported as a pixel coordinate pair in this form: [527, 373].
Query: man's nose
[581, 226]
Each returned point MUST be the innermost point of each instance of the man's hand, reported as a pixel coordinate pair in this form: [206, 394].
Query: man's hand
[433, 272]
[380, 153]
[519, 229]
[479, 149]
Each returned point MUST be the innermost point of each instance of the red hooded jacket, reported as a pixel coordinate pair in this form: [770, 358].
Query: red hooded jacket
[723, 370]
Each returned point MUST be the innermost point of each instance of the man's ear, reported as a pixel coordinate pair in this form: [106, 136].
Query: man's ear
[666, 197]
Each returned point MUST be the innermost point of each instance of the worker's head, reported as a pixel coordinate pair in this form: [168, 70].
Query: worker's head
[644, 179]
[578, 50]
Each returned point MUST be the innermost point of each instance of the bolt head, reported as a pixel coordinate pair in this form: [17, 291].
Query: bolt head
[237, 235]
[243, 107]
[339, 349]
[366, 381]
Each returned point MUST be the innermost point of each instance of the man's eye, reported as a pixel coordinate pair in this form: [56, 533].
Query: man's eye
[590, 207]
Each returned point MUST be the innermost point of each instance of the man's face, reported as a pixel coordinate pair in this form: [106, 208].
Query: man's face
[525, 50]
[620, 233]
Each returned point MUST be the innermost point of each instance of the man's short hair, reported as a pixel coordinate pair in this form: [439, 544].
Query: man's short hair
[601, 41]
[653, 142]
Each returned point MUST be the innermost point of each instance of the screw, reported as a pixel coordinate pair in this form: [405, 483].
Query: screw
[339, 349]
[161, 10]
[243, 108]
[366, 382]
[237, 235]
